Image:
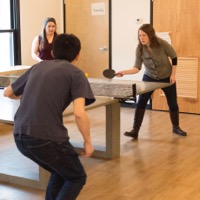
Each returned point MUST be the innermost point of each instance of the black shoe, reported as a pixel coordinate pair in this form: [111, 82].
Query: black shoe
[133, 133]
[179, 131]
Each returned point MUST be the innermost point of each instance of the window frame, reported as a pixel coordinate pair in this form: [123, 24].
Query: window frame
[15, 30]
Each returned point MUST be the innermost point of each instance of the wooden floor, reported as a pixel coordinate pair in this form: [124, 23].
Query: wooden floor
[159, 166]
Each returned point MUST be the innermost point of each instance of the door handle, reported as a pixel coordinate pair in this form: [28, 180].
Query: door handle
[104, 48]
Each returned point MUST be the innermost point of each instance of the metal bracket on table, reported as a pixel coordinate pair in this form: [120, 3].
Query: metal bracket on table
[132, 98]
[134, 92]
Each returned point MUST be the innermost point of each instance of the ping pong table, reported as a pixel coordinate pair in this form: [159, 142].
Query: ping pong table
[123, 89]
[13, 70]
[108, 93]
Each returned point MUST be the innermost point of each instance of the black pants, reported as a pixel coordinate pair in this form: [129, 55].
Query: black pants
[61, 160]
[170, 93]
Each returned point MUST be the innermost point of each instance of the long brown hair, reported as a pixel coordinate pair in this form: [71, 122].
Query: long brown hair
[149, 30]
[42, 36]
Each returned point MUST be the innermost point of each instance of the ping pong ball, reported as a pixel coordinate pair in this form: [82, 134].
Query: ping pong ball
[86, 74]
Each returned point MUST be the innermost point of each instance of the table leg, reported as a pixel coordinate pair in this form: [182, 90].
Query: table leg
[112, 146]
[113, 130]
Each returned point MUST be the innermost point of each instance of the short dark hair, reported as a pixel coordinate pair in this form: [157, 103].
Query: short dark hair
[66, 47]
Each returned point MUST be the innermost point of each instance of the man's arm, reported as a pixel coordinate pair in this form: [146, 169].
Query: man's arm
[83, 124]
[8, 92]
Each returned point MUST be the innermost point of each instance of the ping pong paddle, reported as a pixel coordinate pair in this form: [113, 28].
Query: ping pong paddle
[109, 73]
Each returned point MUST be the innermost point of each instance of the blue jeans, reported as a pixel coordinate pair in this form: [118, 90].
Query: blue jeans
[170, 93]
[61, 160]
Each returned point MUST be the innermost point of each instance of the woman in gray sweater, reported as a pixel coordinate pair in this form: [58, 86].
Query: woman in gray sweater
[154, 53]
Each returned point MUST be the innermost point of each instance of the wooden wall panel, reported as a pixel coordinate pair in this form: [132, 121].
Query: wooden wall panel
[181, 18]
[186, 78]
[93, 32]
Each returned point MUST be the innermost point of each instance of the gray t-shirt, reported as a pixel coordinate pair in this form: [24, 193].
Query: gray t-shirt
[157, 63]
[47, 89]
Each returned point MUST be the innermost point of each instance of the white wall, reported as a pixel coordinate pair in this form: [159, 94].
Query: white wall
[124, 27]
[124, 32]
[32, 15]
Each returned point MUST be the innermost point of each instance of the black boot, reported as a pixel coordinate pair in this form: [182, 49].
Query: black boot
[139, 114]
[174, 116]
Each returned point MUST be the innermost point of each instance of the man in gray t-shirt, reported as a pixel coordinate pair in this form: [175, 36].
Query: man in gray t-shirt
[46, 90]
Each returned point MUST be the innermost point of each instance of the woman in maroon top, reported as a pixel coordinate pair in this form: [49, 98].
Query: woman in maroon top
[42, 44]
